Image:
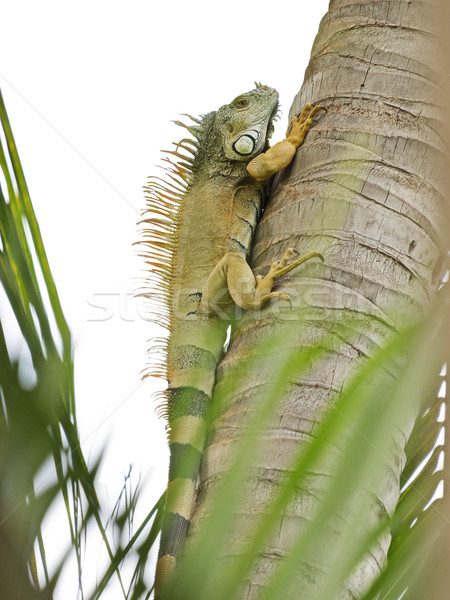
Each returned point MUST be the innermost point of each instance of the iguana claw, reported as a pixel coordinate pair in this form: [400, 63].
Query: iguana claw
[277, 270]
[299, 125]
[281, 267]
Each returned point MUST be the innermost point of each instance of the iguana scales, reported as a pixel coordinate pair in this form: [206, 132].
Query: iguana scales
[198, 234]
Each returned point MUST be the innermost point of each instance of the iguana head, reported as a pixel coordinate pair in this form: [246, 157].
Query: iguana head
[235, 133]
[246, 124]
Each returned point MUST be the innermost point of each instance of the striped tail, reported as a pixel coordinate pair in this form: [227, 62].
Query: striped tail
[187, 408]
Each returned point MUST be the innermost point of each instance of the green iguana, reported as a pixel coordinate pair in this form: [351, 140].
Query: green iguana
[199, 234]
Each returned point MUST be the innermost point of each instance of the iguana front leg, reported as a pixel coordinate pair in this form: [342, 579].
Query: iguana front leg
[247, 291]
[280, 156]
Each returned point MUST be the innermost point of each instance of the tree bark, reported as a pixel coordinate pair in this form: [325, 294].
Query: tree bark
[367, 191]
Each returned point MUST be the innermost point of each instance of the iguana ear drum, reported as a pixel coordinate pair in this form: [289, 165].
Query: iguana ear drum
[244, 145]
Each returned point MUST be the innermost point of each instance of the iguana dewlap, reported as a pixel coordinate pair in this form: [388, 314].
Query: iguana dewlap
[199, 233]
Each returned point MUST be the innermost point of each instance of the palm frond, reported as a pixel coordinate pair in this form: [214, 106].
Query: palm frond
[38, 420]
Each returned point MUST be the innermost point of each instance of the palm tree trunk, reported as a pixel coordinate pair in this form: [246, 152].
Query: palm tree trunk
[367, 191]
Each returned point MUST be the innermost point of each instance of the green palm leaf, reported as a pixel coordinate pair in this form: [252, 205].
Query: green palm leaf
[37, 416]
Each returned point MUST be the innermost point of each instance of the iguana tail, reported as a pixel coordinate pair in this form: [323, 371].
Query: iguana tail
[187, 438]
[189, 400]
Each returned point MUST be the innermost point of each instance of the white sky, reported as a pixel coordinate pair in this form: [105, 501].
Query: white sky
[90, 88]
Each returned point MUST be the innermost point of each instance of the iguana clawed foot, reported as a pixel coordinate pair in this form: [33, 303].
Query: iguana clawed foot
[277, 270]
[283, 266]
[299, 126]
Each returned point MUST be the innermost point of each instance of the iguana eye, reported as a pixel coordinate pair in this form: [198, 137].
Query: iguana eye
[241, 102]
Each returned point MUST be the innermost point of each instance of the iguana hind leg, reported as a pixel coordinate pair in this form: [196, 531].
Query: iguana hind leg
[246, 290]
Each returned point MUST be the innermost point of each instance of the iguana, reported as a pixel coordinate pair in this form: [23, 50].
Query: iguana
[198, 233]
